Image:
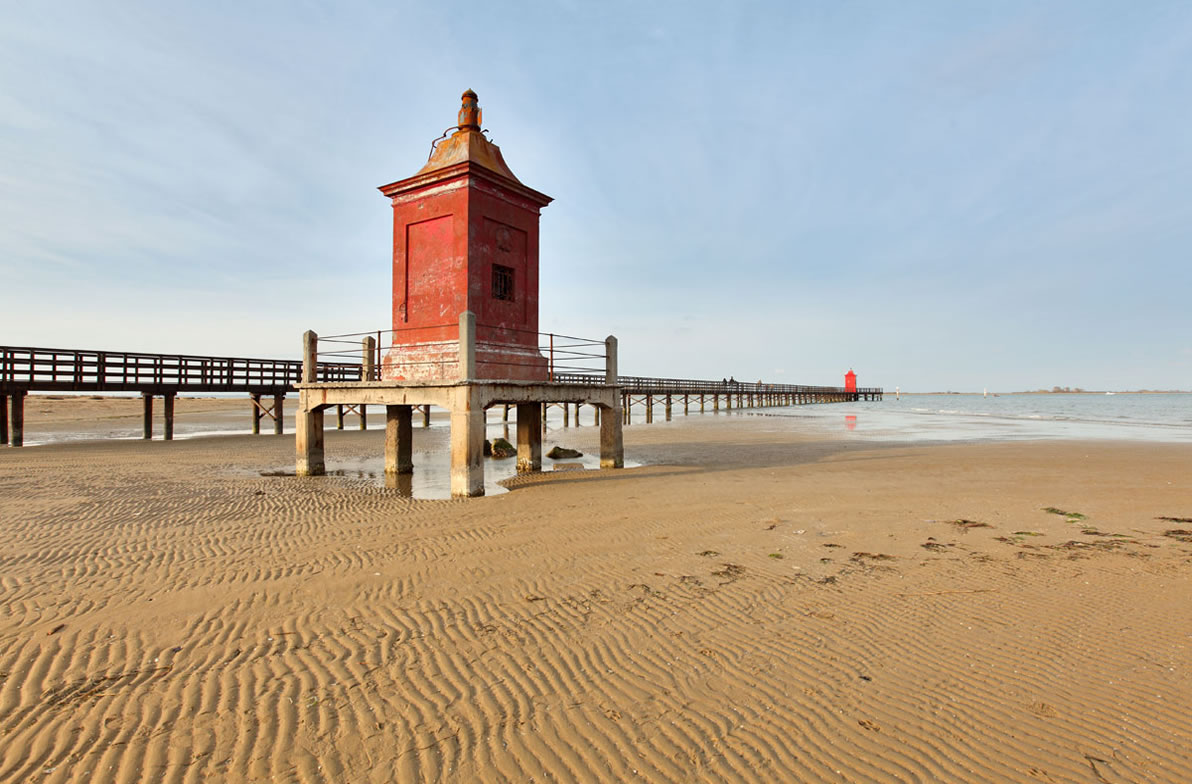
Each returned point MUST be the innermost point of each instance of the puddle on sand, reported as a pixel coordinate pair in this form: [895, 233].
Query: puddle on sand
[431, 479]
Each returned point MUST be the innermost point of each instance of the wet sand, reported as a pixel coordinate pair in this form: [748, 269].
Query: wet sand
[750, 606]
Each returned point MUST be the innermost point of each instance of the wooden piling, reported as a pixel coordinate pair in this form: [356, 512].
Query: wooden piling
[255, 399]
[3, 420]
[566, 415]
[363, 411]
[279, 416]
[426, 416]
[147, 415]
[17, 434]
[668, 407]
[168, 409]
[339, 417]
[596, 416]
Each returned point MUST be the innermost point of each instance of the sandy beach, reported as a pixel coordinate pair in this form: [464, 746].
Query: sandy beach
[749, 605]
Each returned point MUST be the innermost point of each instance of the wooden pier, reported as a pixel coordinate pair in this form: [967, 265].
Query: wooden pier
[268, 382]
[24, 370]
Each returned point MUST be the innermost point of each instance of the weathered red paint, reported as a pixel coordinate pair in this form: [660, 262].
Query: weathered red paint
[850, 381]
[460, 215]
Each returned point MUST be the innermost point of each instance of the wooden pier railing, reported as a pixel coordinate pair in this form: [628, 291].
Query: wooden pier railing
[24, 370]
[74, 370]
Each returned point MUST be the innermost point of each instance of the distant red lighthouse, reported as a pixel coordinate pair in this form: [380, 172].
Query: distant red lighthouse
[465, 238]
[850, 382]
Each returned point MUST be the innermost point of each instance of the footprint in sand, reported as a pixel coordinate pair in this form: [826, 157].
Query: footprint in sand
[1044, 710]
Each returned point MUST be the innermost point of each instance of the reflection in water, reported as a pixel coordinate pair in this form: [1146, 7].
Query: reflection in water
[402, 483]
[850, 421]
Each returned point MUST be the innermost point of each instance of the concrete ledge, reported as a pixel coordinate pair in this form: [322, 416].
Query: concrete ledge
[449, 395]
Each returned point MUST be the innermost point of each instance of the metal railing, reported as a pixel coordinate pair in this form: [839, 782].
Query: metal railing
[353, 357]
[652, 384]
[432, 351]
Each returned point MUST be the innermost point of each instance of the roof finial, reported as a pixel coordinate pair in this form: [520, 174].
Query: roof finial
[470, 114]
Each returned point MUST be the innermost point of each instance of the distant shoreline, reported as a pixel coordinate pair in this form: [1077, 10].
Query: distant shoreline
[1070, 392]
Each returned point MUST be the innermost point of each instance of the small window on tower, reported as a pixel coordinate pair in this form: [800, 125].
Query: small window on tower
[502, 282]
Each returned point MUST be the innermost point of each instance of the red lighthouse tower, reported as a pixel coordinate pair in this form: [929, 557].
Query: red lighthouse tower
[850, 382]
[465, 238]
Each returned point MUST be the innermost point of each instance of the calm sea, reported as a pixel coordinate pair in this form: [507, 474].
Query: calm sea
[1146, 417]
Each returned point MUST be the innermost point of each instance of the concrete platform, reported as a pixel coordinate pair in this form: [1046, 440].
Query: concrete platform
[466, 399]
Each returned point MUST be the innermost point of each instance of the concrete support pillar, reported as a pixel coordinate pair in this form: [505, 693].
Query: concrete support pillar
[363, 409]
[17, 436]
[529, 438]
[146, 415]
[255, 399]
[339, 417]
[167, 401]
[610, 361]
[467, 349]
[308, 424]
[612, 449]
[426, 415]
[279, 416]
[368, 356]
[310, 356]
[399, 450]
[308, 440]
[467, 441]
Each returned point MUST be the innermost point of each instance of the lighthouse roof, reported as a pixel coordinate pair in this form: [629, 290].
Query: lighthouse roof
[467, 143]
[466, 152]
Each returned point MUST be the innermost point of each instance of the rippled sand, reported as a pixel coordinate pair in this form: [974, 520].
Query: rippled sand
[748, 607]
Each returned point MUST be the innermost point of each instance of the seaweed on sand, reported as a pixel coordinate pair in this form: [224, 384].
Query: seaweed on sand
[1070, 515]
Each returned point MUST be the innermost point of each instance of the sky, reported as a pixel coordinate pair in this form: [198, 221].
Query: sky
[940, 195]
